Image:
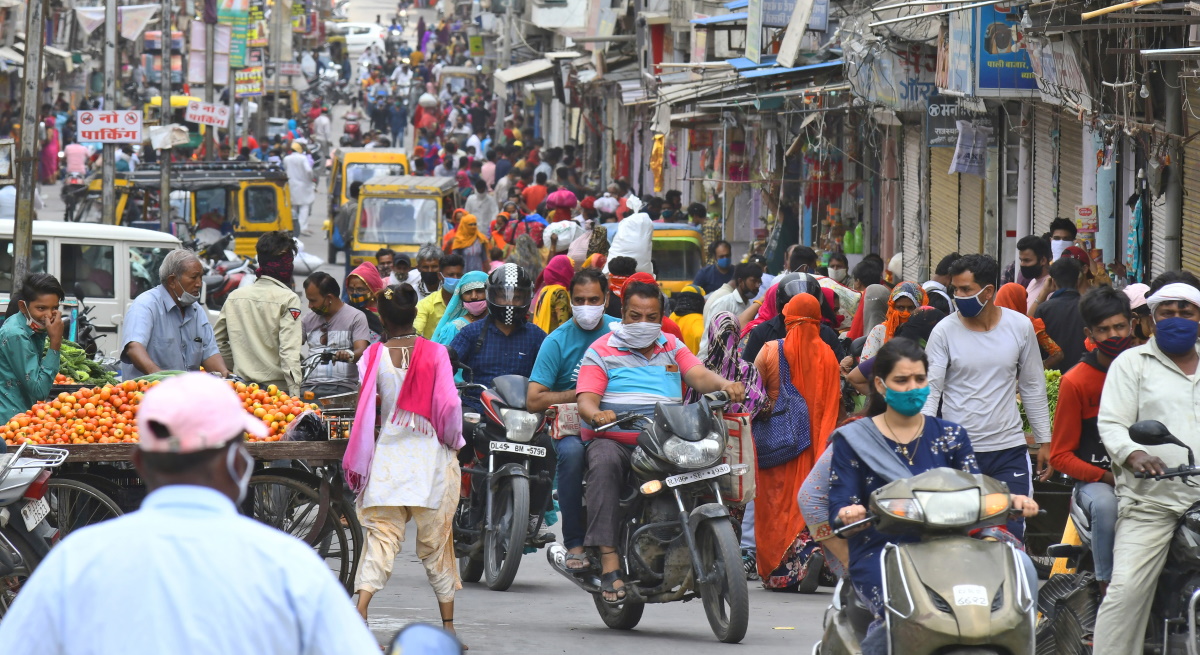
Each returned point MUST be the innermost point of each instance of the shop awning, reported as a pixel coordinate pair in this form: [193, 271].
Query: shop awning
[632, 91]
[59, 58]
[11, 56]
[523, 70]
[723, 18]
[780, 70]
[742, 63]
[695, 117]
[715, 85]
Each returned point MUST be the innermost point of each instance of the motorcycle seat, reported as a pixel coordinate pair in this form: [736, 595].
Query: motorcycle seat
[213, 281]
[225, 267]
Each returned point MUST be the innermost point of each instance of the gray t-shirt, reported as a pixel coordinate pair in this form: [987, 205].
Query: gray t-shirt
[338, 332]
[976, 376]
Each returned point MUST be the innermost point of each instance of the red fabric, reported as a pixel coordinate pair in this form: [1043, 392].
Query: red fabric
[856, 326]
[558, 271]
[1078, 401]
[367, 272]
[766, 311]
[533, 195]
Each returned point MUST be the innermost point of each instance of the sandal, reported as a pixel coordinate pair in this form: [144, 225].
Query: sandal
[589, 562]
[608, 588]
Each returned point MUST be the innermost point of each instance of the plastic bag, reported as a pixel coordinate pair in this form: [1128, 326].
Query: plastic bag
[633, 238]
[306, 427]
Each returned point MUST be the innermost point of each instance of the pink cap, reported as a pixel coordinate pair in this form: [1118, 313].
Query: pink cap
[200, 412]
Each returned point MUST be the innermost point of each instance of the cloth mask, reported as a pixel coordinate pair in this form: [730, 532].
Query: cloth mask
[186, 299]
[33, 325]
[636, 335]
[908, 403]
[1114, 346]
[358, 300]
[243, 480]
[1057, 248]
[837, 275]
[969, 306]
[448, 283]
[280, 269]
[723, 262]
[431, 279]
[1031, 272]
[588, 316]
[476, 307]
[1175, 335]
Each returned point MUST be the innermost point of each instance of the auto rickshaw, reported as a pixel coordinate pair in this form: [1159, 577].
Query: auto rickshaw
[152, 115]
[677, 252]
[248, 199]
[350, 165]
[402, 213]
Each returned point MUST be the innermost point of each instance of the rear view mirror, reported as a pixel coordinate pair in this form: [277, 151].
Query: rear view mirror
[78, 292]
[1152, 433]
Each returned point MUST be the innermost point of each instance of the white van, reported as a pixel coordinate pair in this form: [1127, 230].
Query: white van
[111, 265]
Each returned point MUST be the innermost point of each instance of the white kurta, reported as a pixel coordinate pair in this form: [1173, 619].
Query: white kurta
[300, 178]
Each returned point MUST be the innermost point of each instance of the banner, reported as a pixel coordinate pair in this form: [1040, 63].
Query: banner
[1002, 66]
[197, 74]
[236, 13]
[970, 154]
[248, 83]
[100, 126]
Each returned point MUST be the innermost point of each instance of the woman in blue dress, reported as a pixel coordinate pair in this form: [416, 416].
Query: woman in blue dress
[895, 431]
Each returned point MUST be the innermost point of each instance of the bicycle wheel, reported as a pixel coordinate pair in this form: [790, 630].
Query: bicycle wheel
[293, 507]
[75, 504]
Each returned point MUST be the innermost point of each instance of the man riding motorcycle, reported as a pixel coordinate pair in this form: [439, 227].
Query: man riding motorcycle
[630, 369]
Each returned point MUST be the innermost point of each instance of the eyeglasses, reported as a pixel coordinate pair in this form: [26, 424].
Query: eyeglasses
[325, 335]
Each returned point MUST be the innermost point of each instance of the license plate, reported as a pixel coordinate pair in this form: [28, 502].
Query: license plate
[517, 449]
[34, 513]
[696, 476]
[970, 594]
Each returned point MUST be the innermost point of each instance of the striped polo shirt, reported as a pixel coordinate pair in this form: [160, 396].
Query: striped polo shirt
[627, 380]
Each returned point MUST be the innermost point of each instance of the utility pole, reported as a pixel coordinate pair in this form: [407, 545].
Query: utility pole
[210, 44]
[506, 50]
[108, 160]
[27, 157]
[164, 155]
[283, 25]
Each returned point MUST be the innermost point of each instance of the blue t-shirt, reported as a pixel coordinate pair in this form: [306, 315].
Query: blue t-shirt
[710, 278]
[557, 365]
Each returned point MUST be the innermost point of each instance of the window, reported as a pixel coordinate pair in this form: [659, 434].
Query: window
[676, 260]
[89, 267]
[212, 208]
[364, 172]
[144, 262]
[36, 265]
[395, 221]
[260, 205]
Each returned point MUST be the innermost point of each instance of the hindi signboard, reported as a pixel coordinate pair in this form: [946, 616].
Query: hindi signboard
[207, 113]
[290, 68]
[248, 82]
[109, 126]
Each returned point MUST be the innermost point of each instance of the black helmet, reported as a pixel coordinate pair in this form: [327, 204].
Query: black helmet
[792, 284]
[509, 292]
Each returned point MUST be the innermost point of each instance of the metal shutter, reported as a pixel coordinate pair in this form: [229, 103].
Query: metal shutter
[1070, 166]
[1045, 204]
[910, 205]
[1158, 244]
[943, 205]
[1190, 241]
[970, 214]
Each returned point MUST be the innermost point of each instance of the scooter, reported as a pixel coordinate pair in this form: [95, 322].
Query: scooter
[25, 534]
[676, 540]
[512, 464]
[948, 592]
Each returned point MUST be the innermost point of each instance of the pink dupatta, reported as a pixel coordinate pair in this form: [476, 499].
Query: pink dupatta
[428, 391]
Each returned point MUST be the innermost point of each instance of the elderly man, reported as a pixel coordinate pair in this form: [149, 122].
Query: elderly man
[166, 328]
[302, 184]
[186, 558]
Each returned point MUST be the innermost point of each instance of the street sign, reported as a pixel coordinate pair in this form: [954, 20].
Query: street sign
[248, 82]
[207, 113]
[109, 126]
[290, 68]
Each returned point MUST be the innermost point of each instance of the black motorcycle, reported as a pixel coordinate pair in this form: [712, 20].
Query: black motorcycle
[677, 540]
[510, 465]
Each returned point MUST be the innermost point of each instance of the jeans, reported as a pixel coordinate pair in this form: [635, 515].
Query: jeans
[1099, 503]
[571, 465]
[748, 542]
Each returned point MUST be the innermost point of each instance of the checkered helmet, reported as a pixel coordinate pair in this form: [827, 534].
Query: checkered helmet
[509, 292]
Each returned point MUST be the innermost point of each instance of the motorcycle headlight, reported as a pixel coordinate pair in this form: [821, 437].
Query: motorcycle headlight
[693, 454]
[520, 425]
[949, 508]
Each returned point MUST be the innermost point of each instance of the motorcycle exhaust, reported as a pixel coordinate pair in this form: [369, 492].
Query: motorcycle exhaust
[588, 581]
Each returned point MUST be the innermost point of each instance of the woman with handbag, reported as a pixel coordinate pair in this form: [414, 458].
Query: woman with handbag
[802, 381]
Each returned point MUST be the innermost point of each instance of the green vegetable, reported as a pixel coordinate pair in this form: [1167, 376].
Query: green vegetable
[161, 375]
[76, 365]
[1053, 378]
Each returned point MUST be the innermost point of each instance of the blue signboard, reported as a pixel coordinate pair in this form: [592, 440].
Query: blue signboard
[959, 48]
[1001, 61]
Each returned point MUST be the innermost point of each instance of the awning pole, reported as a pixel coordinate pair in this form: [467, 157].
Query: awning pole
[928, 14]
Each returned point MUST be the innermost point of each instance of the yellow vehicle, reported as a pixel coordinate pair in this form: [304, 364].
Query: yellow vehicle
[152, 115]
[247, 199]
[402, 213]
[350, 165]
[677, 251]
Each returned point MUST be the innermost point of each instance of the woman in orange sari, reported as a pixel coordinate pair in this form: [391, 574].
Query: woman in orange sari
[802, 381]
[1014, 296]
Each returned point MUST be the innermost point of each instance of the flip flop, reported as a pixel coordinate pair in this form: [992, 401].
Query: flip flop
[607, 587]
[589, 562]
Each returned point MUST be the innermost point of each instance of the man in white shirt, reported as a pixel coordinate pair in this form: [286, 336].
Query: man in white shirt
[402, 77]
[482, 206]
[301, 183]
[739, 294]
[161, 579]
[322, 131]
[1034, 260]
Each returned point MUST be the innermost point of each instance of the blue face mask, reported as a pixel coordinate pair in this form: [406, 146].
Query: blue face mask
[908, 403]
[448, 283]
[723, 262]
[969, 306]
[1175, 336]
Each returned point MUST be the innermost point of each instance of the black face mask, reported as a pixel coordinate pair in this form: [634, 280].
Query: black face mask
[430, 279]
[1031, 272]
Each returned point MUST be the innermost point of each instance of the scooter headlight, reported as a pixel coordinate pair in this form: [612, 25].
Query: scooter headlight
[950, 508]
[693, 454]
[519, 424]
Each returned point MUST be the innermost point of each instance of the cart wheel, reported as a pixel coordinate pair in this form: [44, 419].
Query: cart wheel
[344, 511]
[75, 504]
[293, 507]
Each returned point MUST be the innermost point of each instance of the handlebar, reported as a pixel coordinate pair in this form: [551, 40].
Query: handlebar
[717, 400]
[622, 419]
[839, 529]
[1181, 471]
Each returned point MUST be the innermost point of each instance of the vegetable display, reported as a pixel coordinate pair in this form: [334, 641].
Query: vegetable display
[1053, 378]
[76, 365]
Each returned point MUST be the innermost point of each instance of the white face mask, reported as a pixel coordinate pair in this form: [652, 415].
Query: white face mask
[588, 316]
[637, 335]
[1057, 248]
[838, 274]
[186, 299]
[243, 481]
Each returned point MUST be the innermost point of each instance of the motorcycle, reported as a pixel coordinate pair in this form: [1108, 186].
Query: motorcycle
[948, 592]
[395, 38]
[676, 540]
[82, 330]
[351, 127]
[512, 465]
[25, 535]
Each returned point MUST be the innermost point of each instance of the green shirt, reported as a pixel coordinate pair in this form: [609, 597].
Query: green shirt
[25, 374]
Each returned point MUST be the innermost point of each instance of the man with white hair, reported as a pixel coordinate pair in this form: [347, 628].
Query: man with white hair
[1152, 381]
[166, 328]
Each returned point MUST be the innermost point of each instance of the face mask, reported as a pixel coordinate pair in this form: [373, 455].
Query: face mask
[837, 274]
[33, 325]
[908, 403]
[637, 335]
[588, 316]
[1031, 272]
[969, 306]
[1057, 248]
[430, 279]
[186, 299]
[723, 262]
[448, 283]
[1114, 346]
[1139, 332]
[243, 480]
[476, 307]
[1176, 335]
[358, 300]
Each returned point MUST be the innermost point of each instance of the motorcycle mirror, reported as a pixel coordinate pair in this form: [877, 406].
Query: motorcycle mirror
[78, 292]
[1152, 433]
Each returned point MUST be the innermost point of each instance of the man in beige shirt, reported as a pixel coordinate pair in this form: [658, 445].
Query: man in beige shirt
[259, 332]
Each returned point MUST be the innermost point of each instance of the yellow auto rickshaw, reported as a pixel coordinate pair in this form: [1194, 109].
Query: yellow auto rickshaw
[402, 213]
[677, 251]
[350, 165]
[152, 115]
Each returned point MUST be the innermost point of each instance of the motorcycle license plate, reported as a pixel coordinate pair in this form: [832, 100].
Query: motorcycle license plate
[971, 594]
[34, 513]
[517, 449]
[696, 476]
